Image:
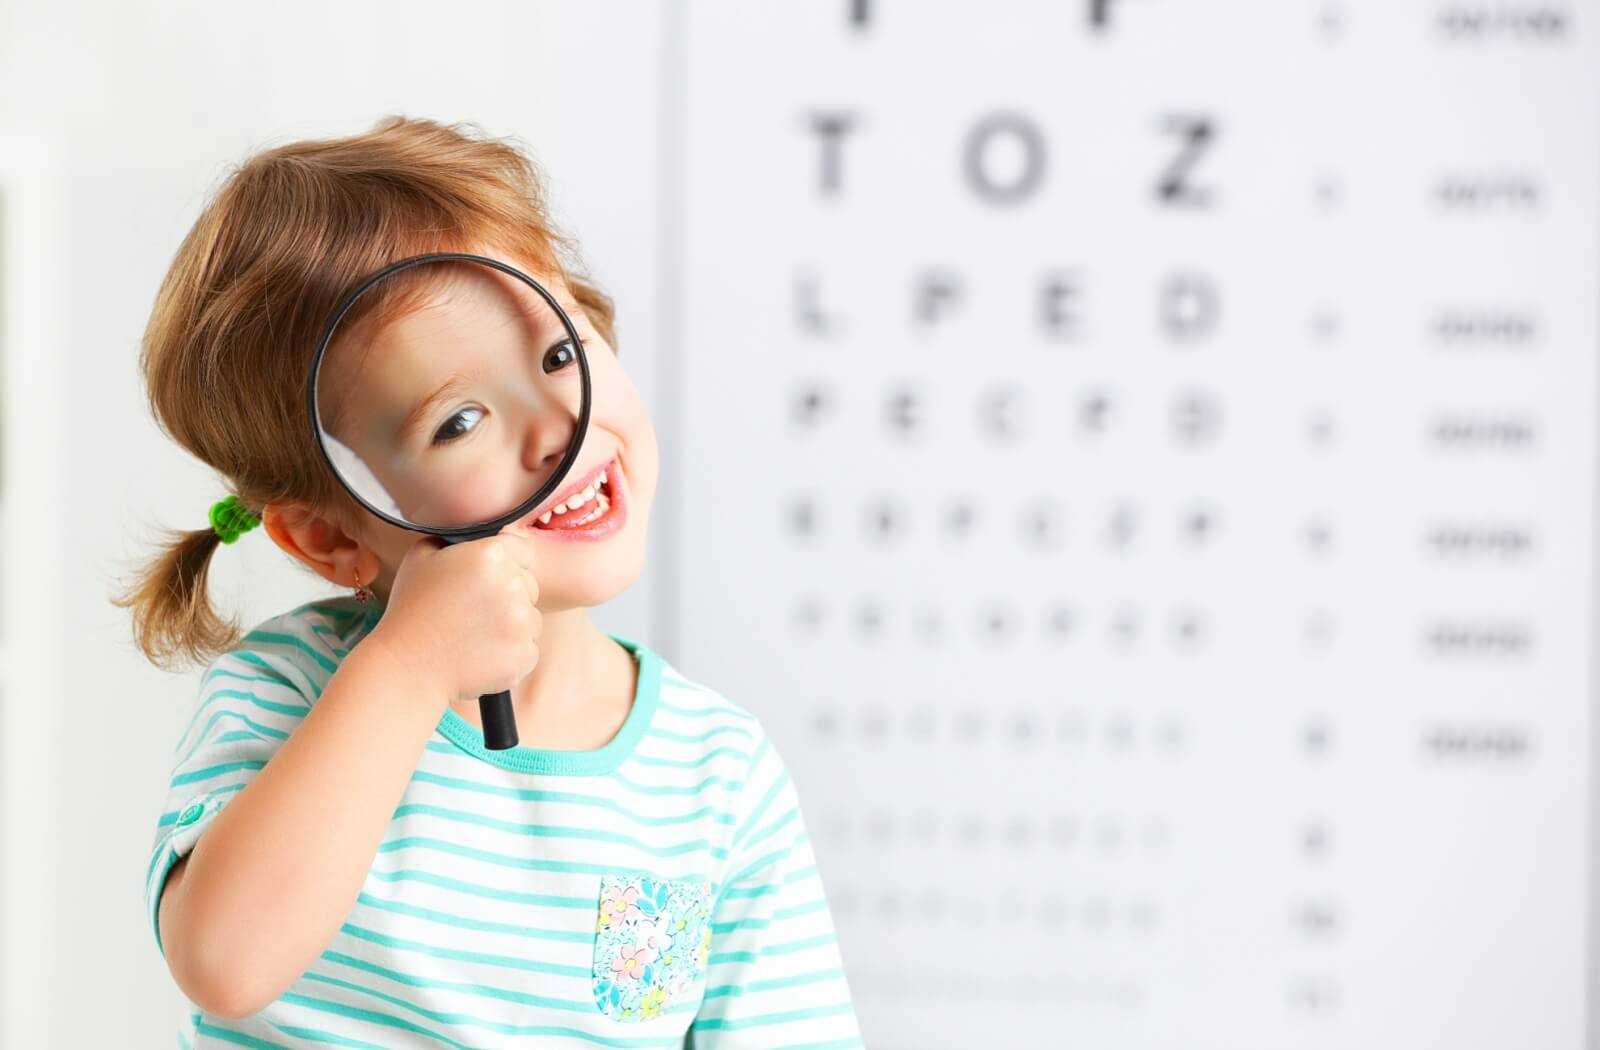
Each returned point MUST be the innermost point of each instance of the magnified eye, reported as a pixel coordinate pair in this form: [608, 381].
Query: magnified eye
[451, 429]
[560, 356]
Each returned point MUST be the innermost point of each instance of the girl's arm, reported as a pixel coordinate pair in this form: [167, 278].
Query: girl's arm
[280, 866]
[774, 970]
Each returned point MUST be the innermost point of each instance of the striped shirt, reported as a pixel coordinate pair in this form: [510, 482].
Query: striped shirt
[659, 891]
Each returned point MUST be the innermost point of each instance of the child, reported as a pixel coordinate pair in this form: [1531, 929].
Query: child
[340, 861]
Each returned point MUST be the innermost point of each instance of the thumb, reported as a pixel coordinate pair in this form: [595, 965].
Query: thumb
[521, 548]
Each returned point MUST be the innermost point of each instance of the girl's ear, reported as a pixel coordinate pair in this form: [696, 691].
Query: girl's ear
[320, 543]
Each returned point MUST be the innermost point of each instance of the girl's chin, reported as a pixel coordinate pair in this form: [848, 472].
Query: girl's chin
[597, 584]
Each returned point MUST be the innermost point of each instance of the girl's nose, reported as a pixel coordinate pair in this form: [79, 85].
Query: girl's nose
[546, 439]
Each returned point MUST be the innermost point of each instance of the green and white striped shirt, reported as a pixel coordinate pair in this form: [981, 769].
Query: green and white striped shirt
[659, 891]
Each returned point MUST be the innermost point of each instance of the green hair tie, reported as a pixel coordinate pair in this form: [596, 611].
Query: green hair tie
[231, 519]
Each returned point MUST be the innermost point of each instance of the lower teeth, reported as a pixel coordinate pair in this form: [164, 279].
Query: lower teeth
[602, 504]
[601, 509]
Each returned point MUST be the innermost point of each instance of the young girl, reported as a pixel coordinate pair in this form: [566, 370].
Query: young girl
[340, 861]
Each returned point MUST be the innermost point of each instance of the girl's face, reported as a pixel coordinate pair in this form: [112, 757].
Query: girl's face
[507, 413]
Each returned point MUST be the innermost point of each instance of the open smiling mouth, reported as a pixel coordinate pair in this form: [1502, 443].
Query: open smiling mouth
[594, 510]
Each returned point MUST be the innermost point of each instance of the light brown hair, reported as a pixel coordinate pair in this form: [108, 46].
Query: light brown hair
[228, 346]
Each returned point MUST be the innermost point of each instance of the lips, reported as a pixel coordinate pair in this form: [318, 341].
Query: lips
[610, 521]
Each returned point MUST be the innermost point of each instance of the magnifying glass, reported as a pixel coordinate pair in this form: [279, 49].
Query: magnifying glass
[463, 421]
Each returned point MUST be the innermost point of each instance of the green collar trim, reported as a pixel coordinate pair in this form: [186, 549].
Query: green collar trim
[603, 759]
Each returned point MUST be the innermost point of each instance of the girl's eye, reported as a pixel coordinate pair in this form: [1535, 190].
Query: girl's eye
[560, 356]
[449, 431]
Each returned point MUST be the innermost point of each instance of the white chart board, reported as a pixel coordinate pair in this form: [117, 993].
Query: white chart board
[1138, 459]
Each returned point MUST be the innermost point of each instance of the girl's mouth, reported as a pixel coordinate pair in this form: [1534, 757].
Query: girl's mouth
[597, 511]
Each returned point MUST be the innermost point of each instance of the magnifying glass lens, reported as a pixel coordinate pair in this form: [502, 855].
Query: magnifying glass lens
[455, 412]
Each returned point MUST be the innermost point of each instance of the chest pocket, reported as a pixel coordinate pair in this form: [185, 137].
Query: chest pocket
[651, 940]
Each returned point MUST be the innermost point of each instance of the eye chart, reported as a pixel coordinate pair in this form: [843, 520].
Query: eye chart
[1137, 457]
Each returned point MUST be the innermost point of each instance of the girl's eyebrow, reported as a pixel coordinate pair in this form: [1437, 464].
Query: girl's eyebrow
[420, 410]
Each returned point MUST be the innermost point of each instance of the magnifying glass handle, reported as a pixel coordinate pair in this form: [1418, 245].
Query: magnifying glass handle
[499, 722]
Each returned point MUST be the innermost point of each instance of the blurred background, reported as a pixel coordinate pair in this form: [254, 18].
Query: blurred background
[1152, 446]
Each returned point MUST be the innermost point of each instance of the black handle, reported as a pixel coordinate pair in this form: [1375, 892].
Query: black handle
[499, 721]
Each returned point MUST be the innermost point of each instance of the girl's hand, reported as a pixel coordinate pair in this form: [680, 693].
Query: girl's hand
[463, 617]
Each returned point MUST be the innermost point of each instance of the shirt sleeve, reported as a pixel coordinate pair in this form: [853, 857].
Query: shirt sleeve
[250, 700]
[774, 974]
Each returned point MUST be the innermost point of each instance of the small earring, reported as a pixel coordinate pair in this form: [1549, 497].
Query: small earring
[363, 594]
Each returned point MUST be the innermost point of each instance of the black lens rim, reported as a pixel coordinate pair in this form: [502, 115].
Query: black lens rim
[569, 458]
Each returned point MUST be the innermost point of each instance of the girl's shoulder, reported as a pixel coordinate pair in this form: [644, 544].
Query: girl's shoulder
[302, 646]
[695, 713]
[692, 700]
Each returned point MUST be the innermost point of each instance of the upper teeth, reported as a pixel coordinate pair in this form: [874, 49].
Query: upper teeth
[576, 501]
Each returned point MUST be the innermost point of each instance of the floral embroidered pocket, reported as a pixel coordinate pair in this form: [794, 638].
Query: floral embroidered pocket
[652, 938]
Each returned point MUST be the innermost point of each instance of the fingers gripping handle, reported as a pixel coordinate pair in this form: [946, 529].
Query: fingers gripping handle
[499, 718]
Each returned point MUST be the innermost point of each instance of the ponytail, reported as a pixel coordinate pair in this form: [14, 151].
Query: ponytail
[172, 612]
